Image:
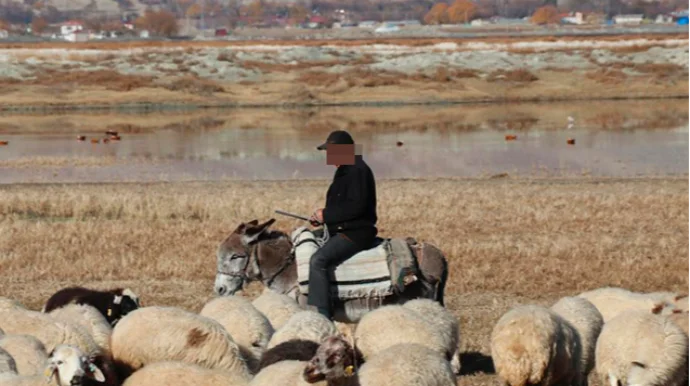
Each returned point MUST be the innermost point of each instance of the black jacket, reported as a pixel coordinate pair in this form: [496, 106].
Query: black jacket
[351, 203]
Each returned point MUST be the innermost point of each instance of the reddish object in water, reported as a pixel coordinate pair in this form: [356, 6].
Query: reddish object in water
[81, 138]
[95, 140]
[571, 141]
[115, 137]
[511, 137]
[111, 133]
[4, 143]
[399, 143]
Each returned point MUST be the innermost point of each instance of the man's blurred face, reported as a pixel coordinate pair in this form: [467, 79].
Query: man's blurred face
[337, 154]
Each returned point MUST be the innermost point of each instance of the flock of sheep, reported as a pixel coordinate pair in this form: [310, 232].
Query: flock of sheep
[85, 337]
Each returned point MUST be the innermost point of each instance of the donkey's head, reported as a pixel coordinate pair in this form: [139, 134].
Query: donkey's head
[234, 265]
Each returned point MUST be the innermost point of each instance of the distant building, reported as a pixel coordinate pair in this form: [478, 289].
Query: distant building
[628, 19]
[71, 27]
[77, 36]
[576, 19]
[368, 24]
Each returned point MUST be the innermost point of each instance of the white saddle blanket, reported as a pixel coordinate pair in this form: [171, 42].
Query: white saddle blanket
[366, 274]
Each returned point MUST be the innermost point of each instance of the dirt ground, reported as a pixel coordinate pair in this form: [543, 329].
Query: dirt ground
[508, 241]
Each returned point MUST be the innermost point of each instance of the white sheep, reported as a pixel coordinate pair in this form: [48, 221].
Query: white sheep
[444, 321]
[67, 366]
[88, 317]
[181, 374]
[249, 328]
[681, 319]
[531, 344]
[28, 352]
[640, 348]
[284, 373]
[50, 331]
[305, 325]
[407, 364]
[157, 333]
[611, 301]
[278, 308]
[7, 303]
[7, 363]
[392, 324]
[587, 321]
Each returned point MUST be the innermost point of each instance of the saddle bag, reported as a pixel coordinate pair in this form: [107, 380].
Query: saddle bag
[402, 264]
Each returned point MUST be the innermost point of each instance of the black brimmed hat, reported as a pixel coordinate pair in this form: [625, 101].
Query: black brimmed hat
[339, 137]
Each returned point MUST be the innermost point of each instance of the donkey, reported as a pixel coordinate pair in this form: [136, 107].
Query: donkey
[252, 252]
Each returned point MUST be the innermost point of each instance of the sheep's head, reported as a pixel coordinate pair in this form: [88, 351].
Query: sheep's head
[70, 365]
[122, 303]
[335, 359]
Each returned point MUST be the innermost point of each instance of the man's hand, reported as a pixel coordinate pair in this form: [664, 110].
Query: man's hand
[316, 218]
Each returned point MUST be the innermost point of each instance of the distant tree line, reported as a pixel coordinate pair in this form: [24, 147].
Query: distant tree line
[163, 14]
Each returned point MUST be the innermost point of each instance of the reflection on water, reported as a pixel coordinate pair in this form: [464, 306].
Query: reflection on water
[267, 153]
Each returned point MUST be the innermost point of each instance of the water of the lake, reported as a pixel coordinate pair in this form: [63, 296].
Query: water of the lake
[611, 139]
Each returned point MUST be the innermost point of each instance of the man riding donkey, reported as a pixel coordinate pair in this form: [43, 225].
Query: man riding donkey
[350, 216]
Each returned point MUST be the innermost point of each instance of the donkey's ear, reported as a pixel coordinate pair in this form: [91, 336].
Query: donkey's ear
[253, 233]
[240, 229]
[253, 223]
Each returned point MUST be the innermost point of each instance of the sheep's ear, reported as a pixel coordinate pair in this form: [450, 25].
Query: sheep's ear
[132, 295]
[95, 373]
[118, 299]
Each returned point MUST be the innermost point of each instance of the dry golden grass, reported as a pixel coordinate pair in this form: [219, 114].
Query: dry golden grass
[520, 75]
[365, 123]
[36, 162]
[607, 76]
[508, 241]
[194, 84]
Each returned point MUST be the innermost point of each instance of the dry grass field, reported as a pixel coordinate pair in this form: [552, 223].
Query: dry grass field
[342, 72]
[509, 241]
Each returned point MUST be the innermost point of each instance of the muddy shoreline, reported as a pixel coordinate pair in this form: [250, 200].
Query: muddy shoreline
[147, 107]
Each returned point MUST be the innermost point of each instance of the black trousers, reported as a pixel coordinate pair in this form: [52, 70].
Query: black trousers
[336, 250]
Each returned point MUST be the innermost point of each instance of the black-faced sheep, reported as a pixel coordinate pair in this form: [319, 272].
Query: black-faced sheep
[292, 350]
[533, 345]
[113, 304]
[335, 362]
[283, 373]
[640, 348]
